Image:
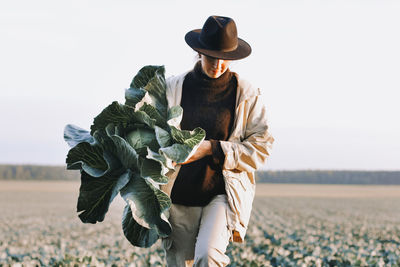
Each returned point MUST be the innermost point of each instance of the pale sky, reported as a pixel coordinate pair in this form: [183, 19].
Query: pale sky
[329, 71]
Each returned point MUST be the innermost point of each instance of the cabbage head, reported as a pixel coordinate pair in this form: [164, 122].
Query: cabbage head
[129, 150]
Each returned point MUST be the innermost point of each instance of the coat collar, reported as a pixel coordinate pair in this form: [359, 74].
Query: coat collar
[245, 90]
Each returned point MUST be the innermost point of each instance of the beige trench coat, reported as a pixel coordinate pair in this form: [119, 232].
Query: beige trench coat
[246, 150]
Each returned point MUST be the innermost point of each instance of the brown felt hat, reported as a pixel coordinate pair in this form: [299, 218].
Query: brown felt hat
[218, 39]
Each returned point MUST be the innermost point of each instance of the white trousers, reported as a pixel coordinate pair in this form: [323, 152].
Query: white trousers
[199, 235]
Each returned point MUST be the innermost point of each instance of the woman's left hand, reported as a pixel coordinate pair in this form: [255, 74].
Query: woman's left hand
[203, 150]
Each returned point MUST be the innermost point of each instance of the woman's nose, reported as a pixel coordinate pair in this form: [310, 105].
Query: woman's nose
[217, 63]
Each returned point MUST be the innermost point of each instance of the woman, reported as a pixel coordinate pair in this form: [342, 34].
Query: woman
[212, 192]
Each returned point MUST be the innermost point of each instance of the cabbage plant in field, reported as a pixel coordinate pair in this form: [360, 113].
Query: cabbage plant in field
[129, 150]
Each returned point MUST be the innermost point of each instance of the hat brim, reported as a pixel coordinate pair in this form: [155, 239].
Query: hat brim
[243, 49]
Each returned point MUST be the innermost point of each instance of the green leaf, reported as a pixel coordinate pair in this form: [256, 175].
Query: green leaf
[145, 74]
[178, 153]
[153, 113]
[88, 157]
[163, 137]
[74, 135]
[140, 117]
[152, 169]
[151, 79]
[130, 149]
[97, 193]
[118, 114]
[112, 129]
[95, 158]
[103, 138]
[136, 234]
[159, 158]
[157, 91]
[115, 113]
[147, 204]
[134, 96]
[166, 163]
[189, 138]
[125, 153]
[117, 146]
[175, 116]
[142, 138]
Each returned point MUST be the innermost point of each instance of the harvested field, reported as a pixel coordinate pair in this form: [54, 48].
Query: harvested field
[292, 225]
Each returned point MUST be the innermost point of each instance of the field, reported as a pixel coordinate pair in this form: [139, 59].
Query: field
[291, 225]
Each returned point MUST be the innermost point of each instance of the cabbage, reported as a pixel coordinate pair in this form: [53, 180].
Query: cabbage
[129, 150]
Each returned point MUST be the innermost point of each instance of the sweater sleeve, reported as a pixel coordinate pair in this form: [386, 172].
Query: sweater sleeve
[217, 152]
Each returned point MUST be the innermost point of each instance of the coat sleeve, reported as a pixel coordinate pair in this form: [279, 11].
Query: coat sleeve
[251, 150]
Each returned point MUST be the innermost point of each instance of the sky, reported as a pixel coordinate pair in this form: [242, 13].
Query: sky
[329, 72]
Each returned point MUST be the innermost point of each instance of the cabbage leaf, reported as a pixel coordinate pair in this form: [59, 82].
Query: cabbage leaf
[129, 150]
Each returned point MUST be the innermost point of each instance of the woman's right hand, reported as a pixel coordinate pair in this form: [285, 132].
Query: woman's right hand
[203, 150]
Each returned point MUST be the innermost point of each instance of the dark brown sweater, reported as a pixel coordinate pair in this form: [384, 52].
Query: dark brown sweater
[210, 104]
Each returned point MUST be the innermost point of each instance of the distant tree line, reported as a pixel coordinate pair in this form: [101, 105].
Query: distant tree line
[37, 172]
[330, 177]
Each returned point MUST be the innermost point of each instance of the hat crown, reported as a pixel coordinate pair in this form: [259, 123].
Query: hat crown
[218, 39]
[219, 33]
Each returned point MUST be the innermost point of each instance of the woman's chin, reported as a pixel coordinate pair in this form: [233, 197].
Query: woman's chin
[214, 74]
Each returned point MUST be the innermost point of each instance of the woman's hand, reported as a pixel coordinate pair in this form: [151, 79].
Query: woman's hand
[203, 150]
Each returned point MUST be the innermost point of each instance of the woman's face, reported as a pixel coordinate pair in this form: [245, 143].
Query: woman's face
[214, 67]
